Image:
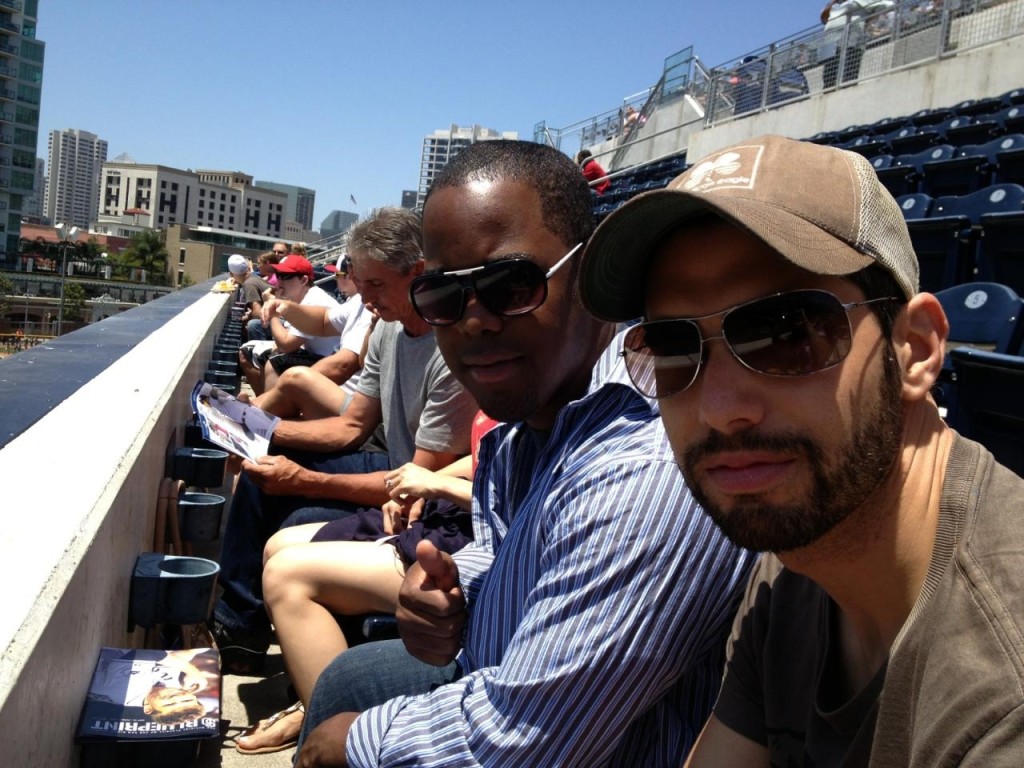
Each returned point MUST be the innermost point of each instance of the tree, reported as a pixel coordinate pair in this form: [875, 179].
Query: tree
[74, 301]
[186, 281]
[6, 290]
[147, 251]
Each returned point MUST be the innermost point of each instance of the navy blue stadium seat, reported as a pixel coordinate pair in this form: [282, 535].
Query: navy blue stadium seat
[946, 242]
[1016, 96]
[983, 315]
[888, 125]
[851, 132]
[1001, 248]
[978, 106]
[904, 175]
[986, 315]
[975, 166]
[914, 206]
[963, 130]
[881, 162]
[989, 406]
[945, 245]
[911, 139]
[1009, 159]
[930, 116]
[826, 138]
[868, 146]
[1010, 119]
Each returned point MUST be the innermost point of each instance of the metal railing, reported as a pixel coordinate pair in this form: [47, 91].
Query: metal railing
[854, 49]
[592, 130]
[815, 60]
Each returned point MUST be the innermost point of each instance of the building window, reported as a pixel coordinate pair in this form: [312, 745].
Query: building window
[181, 256]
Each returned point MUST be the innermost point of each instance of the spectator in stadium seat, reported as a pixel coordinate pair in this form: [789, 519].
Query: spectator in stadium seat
[595, 175]
[793, 372]
[262, 363]
[326, 387]
[254, 328]
[313, 573]
[250, 286]
[324, 469]
[595, 597]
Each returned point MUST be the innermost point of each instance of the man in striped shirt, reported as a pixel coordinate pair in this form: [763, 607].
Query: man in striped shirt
[590, 613]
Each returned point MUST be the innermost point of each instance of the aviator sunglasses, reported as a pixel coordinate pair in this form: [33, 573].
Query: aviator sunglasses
[515, 285]
[796, 333]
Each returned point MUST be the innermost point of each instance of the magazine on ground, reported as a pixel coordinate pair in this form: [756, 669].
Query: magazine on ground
[235, 426]
[142, 693]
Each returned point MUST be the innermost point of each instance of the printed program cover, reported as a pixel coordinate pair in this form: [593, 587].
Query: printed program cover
[152, 694]
[235, 426]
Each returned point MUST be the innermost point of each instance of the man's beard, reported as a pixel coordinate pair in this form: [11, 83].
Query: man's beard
[837, 489]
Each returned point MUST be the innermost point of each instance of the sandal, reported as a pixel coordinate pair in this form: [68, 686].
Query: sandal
[265, 725]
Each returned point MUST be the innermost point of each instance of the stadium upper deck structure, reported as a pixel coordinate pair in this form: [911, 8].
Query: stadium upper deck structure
[89, 420]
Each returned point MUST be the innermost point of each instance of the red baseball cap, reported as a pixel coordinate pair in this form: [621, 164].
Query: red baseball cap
[293, 264]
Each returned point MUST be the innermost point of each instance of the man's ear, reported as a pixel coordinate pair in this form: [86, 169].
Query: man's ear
[919, 341]
[419, 267]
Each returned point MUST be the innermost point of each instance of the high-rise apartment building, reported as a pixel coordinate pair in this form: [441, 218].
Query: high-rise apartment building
[21, 80]
[73, 185]
[32, 205]
[300, 202]
[442, 145]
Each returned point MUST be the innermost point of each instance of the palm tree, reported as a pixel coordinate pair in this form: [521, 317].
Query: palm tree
[147, 251]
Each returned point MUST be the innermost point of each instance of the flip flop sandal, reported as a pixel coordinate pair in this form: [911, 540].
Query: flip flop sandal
[264, 725]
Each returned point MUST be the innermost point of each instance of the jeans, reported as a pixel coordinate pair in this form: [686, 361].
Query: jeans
[255, 330]
[255, 516]
[368, 675]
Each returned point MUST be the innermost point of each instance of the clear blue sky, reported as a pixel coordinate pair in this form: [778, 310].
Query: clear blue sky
[337, 95]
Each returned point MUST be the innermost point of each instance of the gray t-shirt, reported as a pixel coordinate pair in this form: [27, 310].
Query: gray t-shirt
[952, 691]
[251, 291]
[422, 403]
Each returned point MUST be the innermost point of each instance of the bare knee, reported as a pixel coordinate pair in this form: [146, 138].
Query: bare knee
[281, 576]
[294, 379]
[275, 544]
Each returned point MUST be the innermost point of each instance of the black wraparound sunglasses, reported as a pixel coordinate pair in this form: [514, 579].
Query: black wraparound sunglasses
[512, 286]
[796, 333]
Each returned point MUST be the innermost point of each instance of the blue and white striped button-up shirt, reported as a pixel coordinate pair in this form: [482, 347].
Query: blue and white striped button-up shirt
[599, 597]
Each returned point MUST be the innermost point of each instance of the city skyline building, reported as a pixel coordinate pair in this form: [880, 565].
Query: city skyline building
[32, 205]
[444, 144]
[75, 158]
[21, 75]
[301, 201]
[337, 222]
[151, 196]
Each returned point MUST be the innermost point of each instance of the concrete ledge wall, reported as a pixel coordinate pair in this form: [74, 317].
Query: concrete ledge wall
[80, 488]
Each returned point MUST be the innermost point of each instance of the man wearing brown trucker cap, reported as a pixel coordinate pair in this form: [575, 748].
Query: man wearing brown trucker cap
[792, 356]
